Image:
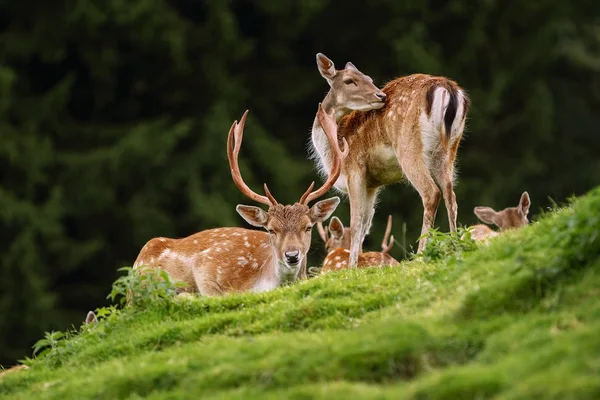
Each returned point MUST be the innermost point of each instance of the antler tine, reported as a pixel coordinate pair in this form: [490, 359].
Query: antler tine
[234, 142]
[329, 126]
[388, 230]
[385, 245]
[308, 191]
[269, 195]
[386, 249]
[322, 231]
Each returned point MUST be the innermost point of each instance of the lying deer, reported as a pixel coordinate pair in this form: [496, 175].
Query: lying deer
[509, 218]
[337, 245]
[411, 128]
[224, 260]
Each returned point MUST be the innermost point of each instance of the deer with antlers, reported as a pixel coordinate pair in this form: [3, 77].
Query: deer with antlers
[223, 260]
[337, 244]
[409, 129]
[509, 218]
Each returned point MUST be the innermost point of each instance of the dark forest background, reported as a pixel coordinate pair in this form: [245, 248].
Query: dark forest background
[114, 116]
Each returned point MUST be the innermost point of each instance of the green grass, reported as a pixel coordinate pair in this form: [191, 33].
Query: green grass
[518, 319]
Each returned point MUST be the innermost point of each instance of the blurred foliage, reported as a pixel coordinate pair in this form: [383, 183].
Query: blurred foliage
[114, 116]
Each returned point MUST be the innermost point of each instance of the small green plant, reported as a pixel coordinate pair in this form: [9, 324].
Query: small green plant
[143, 287]
[444, 245]
[50, 342]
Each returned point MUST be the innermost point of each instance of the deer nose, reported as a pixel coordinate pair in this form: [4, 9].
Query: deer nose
[381, 96]
[292, 257]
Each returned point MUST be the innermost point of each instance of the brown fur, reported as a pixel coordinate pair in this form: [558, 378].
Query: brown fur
[335, 235]
[13, 369]
[214, 261]
[337, 259]
[387, 141]
[509, 218]
[224, 260]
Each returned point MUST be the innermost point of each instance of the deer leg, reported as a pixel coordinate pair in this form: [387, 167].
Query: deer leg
[444, 175]
[418, 174]
[368, 213]
[357, 194]
[205, 285]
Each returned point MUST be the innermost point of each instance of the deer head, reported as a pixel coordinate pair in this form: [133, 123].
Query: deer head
[509, 218]
[335, 235]
[350, 88]
[289, 226]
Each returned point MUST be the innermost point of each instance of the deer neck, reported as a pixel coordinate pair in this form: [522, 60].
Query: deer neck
[321, 149]
[273, 273]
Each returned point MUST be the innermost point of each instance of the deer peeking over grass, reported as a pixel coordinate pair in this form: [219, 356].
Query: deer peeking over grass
[224, 260]
[509, 218]
[409, 129]
[337, 244]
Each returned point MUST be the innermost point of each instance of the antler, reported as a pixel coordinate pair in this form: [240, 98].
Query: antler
[329, 126]
[385, 248]
[233, 149]
[322, 232]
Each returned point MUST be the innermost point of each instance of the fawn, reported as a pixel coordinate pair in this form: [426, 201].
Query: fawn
[509, 218]
[337, 245]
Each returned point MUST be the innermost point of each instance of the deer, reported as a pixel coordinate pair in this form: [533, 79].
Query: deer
[411, 129]
[335, 235]
[338, 252]
[509, 218]
[220, 261]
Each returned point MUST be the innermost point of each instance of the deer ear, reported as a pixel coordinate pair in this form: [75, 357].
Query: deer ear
[336, 227]
[323, 209]
[486, 214]
[255, 216]
[326, 67]
[524, 203]
[91, 318]
[349, 65]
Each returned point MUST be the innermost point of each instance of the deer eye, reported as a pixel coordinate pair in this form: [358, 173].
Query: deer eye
[349, 81]
[270, 231]
[308, 228]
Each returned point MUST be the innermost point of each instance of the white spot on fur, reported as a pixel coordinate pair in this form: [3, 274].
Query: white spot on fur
[162, 239]
[337, 258]
[247, 244]
[242, 261]
[195, 241]
[254, 265]
[390, 113]
[174, 256]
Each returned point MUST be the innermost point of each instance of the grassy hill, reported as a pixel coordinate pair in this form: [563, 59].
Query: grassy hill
[518, 319]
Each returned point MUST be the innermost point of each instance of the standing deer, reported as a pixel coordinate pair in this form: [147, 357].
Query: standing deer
[338, 249]
[223, 260]
[509, 218]
[411, 128]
